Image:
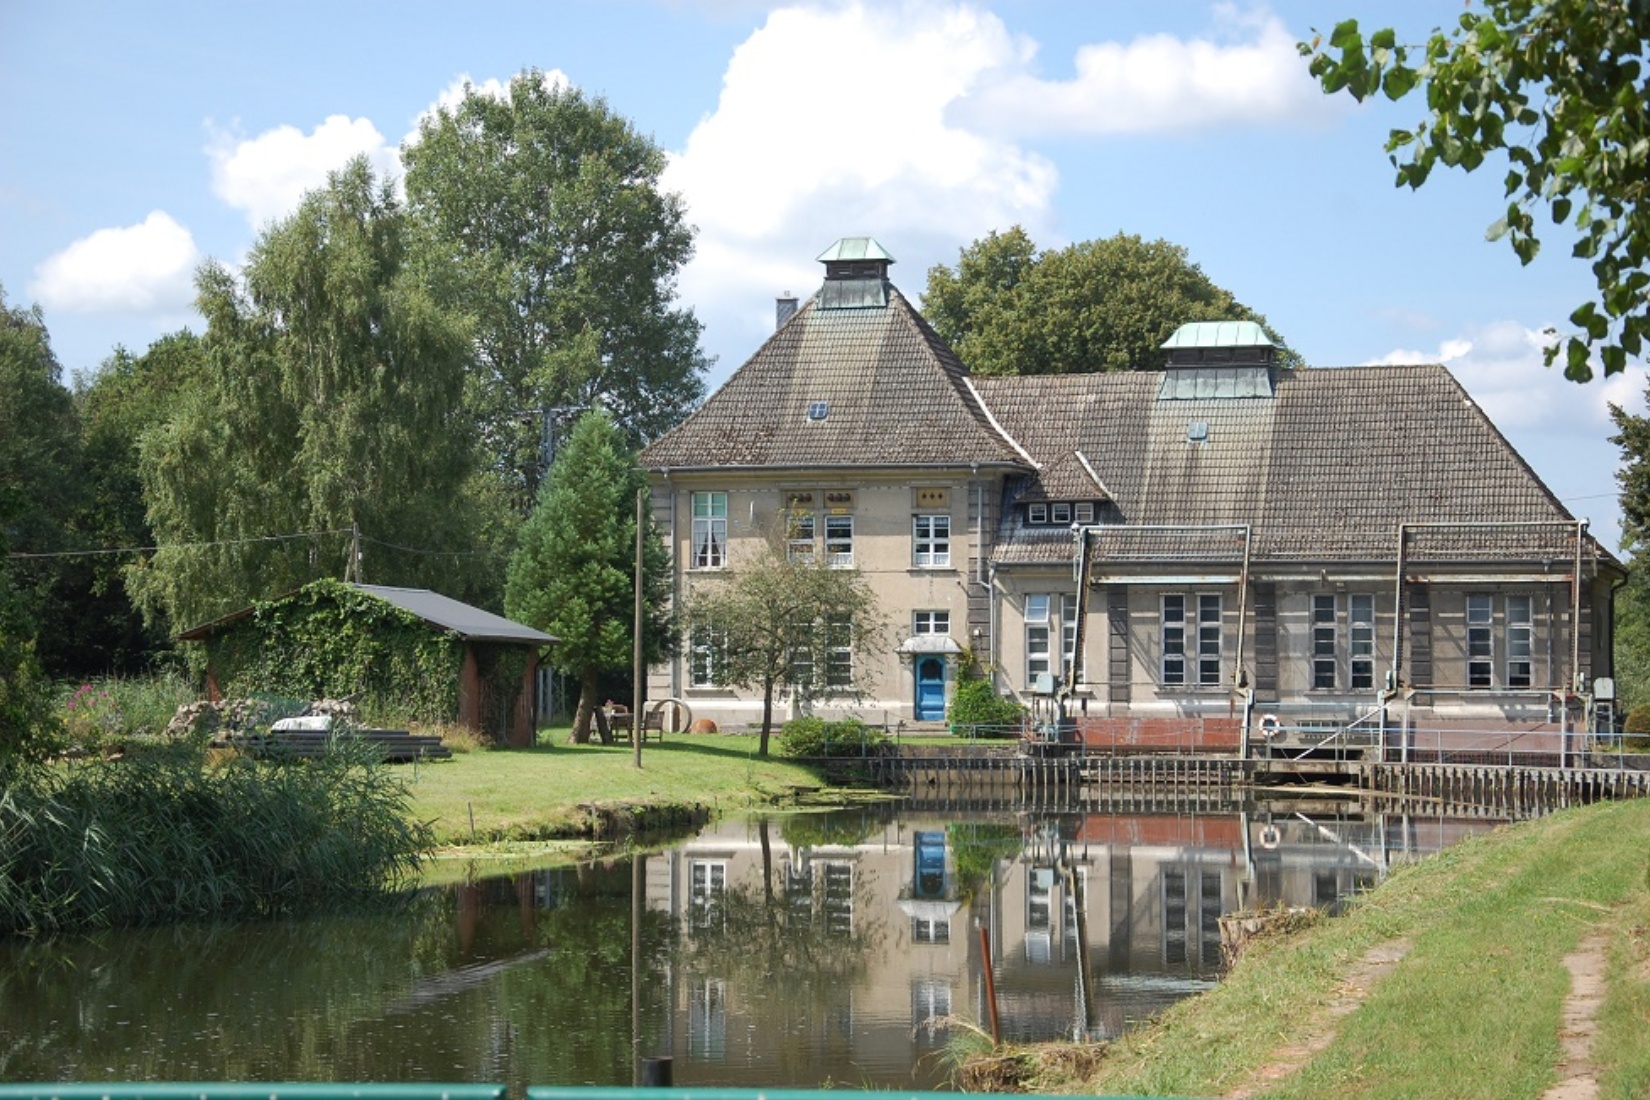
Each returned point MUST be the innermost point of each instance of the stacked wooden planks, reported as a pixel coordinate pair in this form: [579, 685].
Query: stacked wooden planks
[394, 746]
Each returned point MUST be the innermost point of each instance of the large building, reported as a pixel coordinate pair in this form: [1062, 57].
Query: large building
[1322, 545]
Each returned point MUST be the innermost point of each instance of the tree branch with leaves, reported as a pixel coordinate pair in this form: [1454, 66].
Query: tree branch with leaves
[775, 624]
[1561, 88]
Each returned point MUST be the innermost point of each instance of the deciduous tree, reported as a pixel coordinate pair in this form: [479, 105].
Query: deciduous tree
[1561, 88]
[775, 624]
[128, 396]
[40, 465]
[573, 572]
[545, 207]
[1102, 305]
[1632, 625]
[330, 403]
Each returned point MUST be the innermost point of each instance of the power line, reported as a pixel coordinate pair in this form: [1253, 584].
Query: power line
[22, 554]
[430, 553]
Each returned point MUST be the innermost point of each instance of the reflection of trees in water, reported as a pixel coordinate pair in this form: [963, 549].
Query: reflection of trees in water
[977, 846]
[389, 995]
[781, 955]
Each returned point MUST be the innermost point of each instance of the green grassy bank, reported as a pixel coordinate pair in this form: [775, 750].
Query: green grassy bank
[546, 793]
[1473, 1008]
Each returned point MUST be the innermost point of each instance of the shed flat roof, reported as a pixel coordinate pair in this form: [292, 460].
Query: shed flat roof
[461, 618]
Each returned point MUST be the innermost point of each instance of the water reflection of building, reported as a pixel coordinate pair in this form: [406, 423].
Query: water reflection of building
[872, 948]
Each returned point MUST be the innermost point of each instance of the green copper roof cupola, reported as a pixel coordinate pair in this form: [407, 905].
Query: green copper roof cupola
[856, 274]
[1213, 359]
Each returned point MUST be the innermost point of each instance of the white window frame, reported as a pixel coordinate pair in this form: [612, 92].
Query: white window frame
[710, 531]
[1520, 635]
[839, 542]
[800, 528]
[1038, 652]
[1360, 632]
[839, 654]
[1060, 513]
[1083, 511]
[707, 890]
[1480, 638]
[930, 622]
[1037, 513]
[931, 541]
[1326, 641]
[707, 650]
[1191, 636]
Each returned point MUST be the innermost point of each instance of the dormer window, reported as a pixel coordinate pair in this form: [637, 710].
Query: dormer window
[1059, 513]
[1085, 512]
[1036, 513]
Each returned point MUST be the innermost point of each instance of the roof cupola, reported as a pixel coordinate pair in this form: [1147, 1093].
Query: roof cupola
[1217, 359]
[856, 274]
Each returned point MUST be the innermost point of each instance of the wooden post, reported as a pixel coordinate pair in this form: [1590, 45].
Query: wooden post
[990, 984]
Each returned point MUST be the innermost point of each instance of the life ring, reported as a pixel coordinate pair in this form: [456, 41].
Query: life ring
[1269, 837]
[1269, 726]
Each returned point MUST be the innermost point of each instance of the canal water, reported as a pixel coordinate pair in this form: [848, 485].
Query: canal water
[844, 949]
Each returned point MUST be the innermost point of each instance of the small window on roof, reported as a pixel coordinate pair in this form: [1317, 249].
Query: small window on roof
[1197, 431]
[1085, 511]
[1059, 513]
[819, 410]
[1036, 513]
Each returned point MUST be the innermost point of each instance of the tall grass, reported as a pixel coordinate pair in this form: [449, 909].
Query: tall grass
[168, 835]
[105, 713]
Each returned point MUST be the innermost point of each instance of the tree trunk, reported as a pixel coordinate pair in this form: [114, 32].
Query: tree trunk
[767, 718]
[586, 708]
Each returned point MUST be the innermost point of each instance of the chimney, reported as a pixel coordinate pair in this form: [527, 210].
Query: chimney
[784, 309]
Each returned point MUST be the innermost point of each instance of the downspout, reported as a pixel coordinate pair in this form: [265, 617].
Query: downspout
[1240, 679]
[1397, 636]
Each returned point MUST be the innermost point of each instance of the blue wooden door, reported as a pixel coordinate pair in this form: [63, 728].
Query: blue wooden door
[930, 689]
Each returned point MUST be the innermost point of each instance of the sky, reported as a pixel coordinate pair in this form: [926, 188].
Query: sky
[138, 140]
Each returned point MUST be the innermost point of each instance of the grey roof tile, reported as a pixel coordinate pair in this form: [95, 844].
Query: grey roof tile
[897, 396]
[1325, 471]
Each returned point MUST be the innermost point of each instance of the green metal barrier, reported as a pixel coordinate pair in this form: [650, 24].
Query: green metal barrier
[246, 1090]
[569, 1092]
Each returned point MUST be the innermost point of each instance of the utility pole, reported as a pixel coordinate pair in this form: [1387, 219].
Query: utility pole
[637, 726]
[352, 568]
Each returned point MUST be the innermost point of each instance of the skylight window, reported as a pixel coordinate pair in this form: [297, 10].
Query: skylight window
[819, 410]
[1197, 431]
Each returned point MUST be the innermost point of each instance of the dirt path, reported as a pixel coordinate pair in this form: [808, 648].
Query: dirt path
[1376, 963]
[1579, 1022]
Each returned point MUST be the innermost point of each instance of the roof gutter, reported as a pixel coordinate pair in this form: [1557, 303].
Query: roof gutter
[810, 467]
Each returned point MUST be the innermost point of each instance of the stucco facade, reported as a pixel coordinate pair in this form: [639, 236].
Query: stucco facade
[1329, 546]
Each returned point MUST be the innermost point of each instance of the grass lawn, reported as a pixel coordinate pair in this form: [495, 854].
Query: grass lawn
[1472, 1010]
[535, 794]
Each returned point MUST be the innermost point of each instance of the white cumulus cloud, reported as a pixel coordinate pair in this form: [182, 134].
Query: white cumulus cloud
[1248, 72]
[266, 176]
[142, 268]
[833, 122]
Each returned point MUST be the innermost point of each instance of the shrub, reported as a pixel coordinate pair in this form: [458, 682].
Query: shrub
[983, 712]
[1636, 730]
[817, 737]
[165, 836]
[30, 731]
[105, 713]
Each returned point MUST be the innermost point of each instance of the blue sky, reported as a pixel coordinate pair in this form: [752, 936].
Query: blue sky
[138, 139]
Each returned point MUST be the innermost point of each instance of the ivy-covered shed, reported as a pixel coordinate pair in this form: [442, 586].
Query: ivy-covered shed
[408, 649]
